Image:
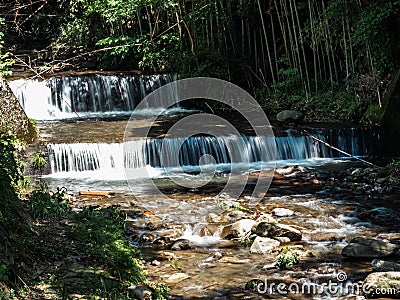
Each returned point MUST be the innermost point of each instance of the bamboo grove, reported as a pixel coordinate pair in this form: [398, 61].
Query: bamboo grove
[285, 48]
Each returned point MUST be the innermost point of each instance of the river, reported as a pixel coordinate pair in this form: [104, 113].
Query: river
[169, 199]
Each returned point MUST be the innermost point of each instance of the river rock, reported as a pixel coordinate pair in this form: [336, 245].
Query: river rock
[282, 212]
[384, 216]
[282, 239]
[177, 277]
[384, 266]
[140, 292]
[182, 244]
[263, 245]
[225, 201]
[361, 247]
[285, 170]
[213, 218]
[266, 218]
[237, 229]
[381, 180]
[208, 230]
[166, 255]
[290, 116]
[386, 284]
[272, 230]
[163, 240]
[287, 231]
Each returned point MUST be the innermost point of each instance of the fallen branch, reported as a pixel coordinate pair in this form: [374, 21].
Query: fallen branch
[341, 151]
[96, 193]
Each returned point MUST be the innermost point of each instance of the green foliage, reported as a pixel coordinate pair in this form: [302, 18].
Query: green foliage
[158, 54]
[205, 62]
[287, 258]
[394, 170]
[44, 204]
[115, 51]
[151, 54]
[373, 115]
[11, 169]
[3, 270]
[5, 60]
[100, 231]
[160, 291]
[75, 35]
[38, 160]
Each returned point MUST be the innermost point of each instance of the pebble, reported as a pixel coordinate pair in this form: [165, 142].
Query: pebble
[155, 262]
[168, 255]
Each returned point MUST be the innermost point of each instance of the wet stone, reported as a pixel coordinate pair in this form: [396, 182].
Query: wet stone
[384, 266]
[385, 216]
[361, 247]
[238, 229]
[263, 245]
[182, 244]
[272, 230]
[177, 277]
[282, 212]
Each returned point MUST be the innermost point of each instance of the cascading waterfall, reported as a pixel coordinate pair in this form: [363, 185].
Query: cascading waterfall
[83, 96]
[162, 153]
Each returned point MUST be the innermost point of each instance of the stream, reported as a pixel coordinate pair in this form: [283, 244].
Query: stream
[183, 234]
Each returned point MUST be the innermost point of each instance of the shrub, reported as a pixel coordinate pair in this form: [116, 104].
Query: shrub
[287, 258]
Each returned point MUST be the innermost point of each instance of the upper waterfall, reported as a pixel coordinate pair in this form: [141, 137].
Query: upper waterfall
[85, 96]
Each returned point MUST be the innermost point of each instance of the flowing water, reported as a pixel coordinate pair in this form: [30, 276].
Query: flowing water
[87, 154]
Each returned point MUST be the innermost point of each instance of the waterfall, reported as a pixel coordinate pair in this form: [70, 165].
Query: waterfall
[178, 152]
[85, 96]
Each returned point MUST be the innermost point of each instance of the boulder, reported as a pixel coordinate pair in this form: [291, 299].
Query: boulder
[263, 245]
[384, 266]
[182, 244]
[282, 212]
[273, 230]
[382, 284]
[360, 247]
[208, 230]
[384, 216]
[237, 229]
[290, 116]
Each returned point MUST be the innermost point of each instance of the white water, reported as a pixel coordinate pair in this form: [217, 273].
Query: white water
[152, 157]
[87, 96]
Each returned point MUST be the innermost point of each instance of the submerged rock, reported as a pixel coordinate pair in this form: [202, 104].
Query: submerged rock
[360, 247]
[380, 284]
[263, 245]
[384, 266]
[177, 277]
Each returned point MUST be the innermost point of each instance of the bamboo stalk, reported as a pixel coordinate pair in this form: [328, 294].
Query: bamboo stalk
[266, 41]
